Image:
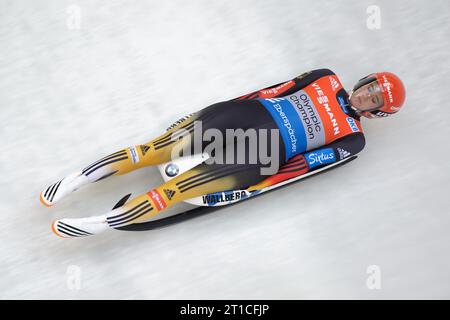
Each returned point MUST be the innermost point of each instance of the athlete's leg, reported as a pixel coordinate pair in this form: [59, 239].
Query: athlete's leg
[220, 116]
[202, 179]
[121, 162]
[198, 181]
[154, 152]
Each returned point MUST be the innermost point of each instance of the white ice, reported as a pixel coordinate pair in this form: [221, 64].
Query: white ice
[69, 96]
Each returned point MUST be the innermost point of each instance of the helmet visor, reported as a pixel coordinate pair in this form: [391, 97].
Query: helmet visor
[367, 96]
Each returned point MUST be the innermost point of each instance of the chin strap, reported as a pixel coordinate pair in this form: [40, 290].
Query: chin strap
[349, 106]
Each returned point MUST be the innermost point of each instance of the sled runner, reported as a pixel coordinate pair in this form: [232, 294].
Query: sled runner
[212, 202]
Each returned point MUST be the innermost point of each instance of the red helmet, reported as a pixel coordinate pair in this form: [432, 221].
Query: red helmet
[392, 91]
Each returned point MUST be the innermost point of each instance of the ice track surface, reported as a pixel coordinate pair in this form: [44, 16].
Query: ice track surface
[68, 97]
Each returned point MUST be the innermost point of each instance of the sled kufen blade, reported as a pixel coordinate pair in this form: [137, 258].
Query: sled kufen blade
[201, 210]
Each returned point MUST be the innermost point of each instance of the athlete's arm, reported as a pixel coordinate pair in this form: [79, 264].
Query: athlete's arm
[336, 151]
[287, 87]
[301, 164]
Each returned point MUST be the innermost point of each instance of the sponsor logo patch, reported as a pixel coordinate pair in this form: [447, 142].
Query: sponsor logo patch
[277, 90]
[144, 149]
[134, 155]
[351, 122]
[169, 193]
[310, 118]
[343, 153]
[334, 83]
[320, 157]
[291, 129]
[387, 86]
[342, 102]
[157, 200]
[220, 197]
[381, 114]
[323, 100]
[176, 123]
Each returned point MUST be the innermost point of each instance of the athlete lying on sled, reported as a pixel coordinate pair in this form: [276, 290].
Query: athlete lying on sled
[318, 123]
